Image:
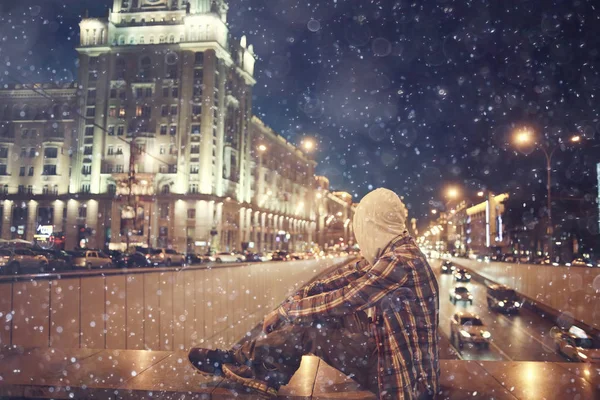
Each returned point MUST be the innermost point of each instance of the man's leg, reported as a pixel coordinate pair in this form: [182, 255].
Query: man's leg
[349, 348]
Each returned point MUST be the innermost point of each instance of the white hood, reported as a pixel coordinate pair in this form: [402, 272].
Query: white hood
[379, 218]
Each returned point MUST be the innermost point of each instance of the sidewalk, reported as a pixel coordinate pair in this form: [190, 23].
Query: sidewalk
[139, 374]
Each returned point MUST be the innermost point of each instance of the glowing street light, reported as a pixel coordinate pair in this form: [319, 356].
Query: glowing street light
[480, 193]
[308, 144]
[452, 192]
[262, 148]
[525, 136]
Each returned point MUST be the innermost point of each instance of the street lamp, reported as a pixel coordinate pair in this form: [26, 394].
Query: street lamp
[308, 144]
[525, 136]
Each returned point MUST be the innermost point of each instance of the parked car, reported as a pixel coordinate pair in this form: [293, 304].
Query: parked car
[253, 257]
[193, 258]
[447, 267]
[503, 298]
[280, 255]
[509, 258]
[296, 256]
[18, 261]
[264, 257]
[575, 344]
[483, 258]
[90, 259]
[228, 257]
[580, 262]
[164, 257]
[462, 275]
[466, 327]
[58, 260]
[130, 260]
[461, 293]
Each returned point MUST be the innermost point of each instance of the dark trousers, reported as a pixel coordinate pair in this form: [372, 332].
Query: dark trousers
[344, 344]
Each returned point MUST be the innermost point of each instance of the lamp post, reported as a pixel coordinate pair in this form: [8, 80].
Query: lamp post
[525, 137]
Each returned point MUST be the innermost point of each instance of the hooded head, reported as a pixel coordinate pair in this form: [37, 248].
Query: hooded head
[379, 218]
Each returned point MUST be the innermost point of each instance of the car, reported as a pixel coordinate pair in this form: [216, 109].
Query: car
[447, 267]
[580, 262]
[253, 257]
[524, 259]
[58, 260]
[461, 293]
[482, 258]
[264, 257]
[467, 327]
[162, 257]
[503, 298]
[509, 258]
[193, 258]
[575, 344]
[131, 260]
[462, 275]
[90, 259]
[296, 256]
[228, 257]
[17, 261]
[280, 255]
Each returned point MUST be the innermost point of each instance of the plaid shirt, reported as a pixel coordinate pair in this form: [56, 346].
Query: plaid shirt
[403, 291]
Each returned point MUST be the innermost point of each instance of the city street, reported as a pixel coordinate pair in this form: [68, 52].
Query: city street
[516, 337]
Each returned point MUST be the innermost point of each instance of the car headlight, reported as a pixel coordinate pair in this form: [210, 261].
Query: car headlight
[465, 333]
[468, 276]
[517, 304]
[501, 303]
[581, 355]
[470, 296]
[457, 296]
[486, 334]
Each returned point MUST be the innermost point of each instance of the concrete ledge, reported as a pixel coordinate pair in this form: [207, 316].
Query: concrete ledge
[139, 374]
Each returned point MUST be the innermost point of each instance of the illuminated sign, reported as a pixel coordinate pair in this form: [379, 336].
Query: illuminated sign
[44, 230]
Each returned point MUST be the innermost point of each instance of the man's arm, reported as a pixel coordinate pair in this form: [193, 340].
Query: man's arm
[386, 276]
[339, 278]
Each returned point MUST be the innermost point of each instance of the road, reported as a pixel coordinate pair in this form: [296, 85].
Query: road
[520, 337]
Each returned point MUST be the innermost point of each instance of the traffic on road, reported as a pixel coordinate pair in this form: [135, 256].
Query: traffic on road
[489, 322]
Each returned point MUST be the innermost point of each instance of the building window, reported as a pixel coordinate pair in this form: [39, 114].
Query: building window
[22, 171]
[163, 129]
[172, 39]
[23, 152]
[194, 168]
[31, 171]
[119, 150]
[196, 110]
[89, 131]
[119, 168]
[32, 152]
[161, 39]
[3, 169]
[82, 212]
[173, 130]
[21, 189]
[3, 152]
[173, 110]
[29, 189]
[162, 146]
[45, 189]
[112, 188]
[165, 92]
[191, 212]
[85, 170]
[90, 112]
[87, 150]
[164, 208]
[120, 130]
[195, 149]
[139, 92]
[112, 112]
[121, 112]
[141, 39]
[113, 93]
[111, 130]
[195, 129]
[110, 151]
[50, 169]
[151, 39]
[172, 168]
[175, 92]
[51, 152]
[164, 111]
[199, 58]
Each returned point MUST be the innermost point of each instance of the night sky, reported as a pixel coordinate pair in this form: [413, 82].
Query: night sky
[409, 95]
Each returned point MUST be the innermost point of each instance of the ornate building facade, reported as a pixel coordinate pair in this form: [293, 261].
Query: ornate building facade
[156, 144]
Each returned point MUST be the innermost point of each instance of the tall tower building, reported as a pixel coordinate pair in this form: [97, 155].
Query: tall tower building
[166, 96]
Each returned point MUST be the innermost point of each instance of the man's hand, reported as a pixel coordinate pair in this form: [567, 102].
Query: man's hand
[271, 322]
